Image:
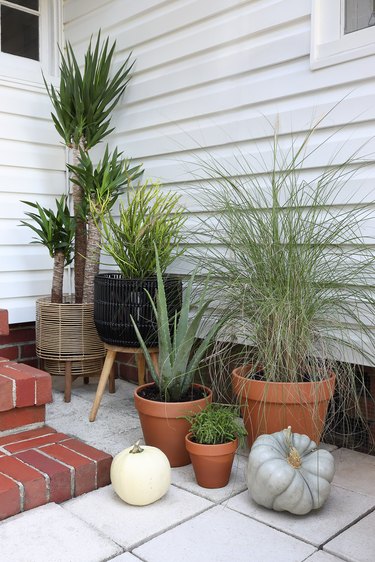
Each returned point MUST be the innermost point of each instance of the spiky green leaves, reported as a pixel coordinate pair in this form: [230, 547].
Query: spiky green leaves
[150, 223]
[85, 99]
[179, 358]
[53, 229]
[101, 186]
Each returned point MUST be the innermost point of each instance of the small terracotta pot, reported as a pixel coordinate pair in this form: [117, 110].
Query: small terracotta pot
[163, 425]
[212, 463]
[268, 407]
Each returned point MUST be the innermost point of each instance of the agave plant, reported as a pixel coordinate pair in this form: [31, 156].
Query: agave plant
[101, 187]
[179, 359]
[82, 113]
[55, 231]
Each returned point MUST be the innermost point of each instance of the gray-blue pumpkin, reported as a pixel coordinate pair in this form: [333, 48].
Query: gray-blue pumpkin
[287, 472]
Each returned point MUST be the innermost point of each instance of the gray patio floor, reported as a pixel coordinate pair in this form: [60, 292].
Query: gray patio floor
[190, 523]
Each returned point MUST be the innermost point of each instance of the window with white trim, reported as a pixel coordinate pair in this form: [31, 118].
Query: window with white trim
[341, 30]
[29, 33]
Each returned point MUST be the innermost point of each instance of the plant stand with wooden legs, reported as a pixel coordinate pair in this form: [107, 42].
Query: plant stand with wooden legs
[107, 370]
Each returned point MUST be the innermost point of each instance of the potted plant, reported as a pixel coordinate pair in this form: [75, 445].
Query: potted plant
[212, 443]
[295, 281]
[82, 113]
[149, 224]
[173, 394]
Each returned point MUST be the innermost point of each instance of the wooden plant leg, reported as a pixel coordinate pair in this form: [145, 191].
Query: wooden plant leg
[110, 357]
[112, 384]
[141, 365]
[68, 381]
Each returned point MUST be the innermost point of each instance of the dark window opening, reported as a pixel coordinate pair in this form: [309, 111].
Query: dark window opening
[20, 32]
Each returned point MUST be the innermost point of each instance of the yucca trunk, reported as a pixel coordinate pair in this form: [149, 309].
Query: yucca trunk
[92, 260]
[80, 243]
[58, 277]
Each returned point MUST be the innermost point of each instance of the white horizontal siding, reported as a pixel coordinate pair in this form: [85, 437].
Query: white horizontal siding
[32, 164]
[208, 76]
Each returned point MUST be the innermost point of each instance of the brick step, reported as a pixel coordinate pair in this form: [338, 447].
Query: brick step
[41, 465]
[24, 391]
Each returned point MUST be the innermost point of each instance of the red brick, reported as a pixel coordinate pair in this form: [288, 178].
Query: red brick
[28, 350]
[20, 417]
[4, 360]
[103, 460]
[10, 352]
[43, 387]
[35, 443]
[34, 483]
[10, 499]
[4, 324]
[19, 335]
[6, 394]
[29, 434]
[84, 469]
[25, 384]
[60, 476]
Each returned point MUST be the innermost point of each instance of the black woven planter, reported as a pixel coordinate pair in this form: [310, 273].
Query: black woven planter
[117, 298]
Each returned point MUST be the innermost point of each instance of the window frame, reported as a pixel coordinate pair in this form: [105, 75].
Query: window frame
[329, 44]
[14, 68]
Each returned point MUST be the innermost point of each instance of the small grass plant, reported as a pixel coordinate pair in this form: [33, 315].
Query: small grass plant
[216, 424]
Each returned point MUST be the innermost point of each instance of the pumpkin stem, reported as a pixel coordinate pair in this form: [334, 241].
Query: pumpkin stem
[136, 448]
[293, 458]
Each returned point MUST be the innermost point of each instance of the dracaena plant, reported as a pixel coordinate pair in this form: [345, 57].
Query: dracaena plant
[149, 224]
[82, 105]
[179, 354]
[101, 186]
[55, 231]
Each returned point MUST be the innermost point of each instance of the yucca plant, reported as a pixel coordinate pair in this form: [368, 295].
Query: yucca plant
[83, 104]
[149, 225]
[101, 187]
[55, 231]
[179, 358]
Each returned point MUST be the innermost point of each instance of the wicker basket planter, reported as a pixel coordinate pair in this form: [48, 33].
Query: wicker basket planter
[66, 332]
[116, 299]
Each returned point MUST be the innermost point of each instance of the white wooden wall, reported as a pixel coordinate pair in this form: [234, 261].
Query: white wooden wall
[208, 73]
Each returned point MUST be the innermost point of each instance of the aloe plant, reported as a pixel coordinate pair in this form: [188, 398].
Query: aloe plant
[101, 187]
[179, 359]
[83, 104]
[55, 231]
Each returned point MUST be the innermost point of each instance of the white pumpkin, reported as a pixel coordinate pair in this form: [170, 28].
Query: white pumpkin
[286, 472]
[140, 475]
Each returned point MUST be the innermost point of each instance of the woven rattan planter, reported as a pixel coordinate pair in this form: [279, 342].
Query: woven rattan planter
[116, 299]
[66, 332]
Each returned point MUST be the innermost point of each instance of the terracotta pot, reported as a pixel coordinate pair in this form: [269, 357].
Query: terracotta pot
[268, 407]
[163, 426]
[212, 463]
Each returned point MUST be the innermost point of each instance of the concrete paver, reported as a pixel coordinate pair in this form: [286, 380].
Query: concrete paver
[187, 524]
[129, 525]
[221, 535]
[342, 508]
[355, 471]
[356, 544]
[52, 534]
[184, 477]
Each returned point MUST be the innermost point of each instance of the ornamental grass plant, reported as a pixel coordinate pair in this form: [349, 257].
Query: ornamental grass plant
[292, 267]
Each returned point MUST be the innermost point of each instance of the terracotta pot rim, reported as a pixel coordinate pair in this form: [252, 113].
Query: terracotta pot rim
[238, 372]
[148, 384]
[207, 446]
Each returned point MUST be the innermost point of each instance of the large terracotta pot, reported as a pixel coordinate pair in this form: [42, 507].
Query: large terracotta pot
[163, 425]
[268, 407]
[212, 463]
